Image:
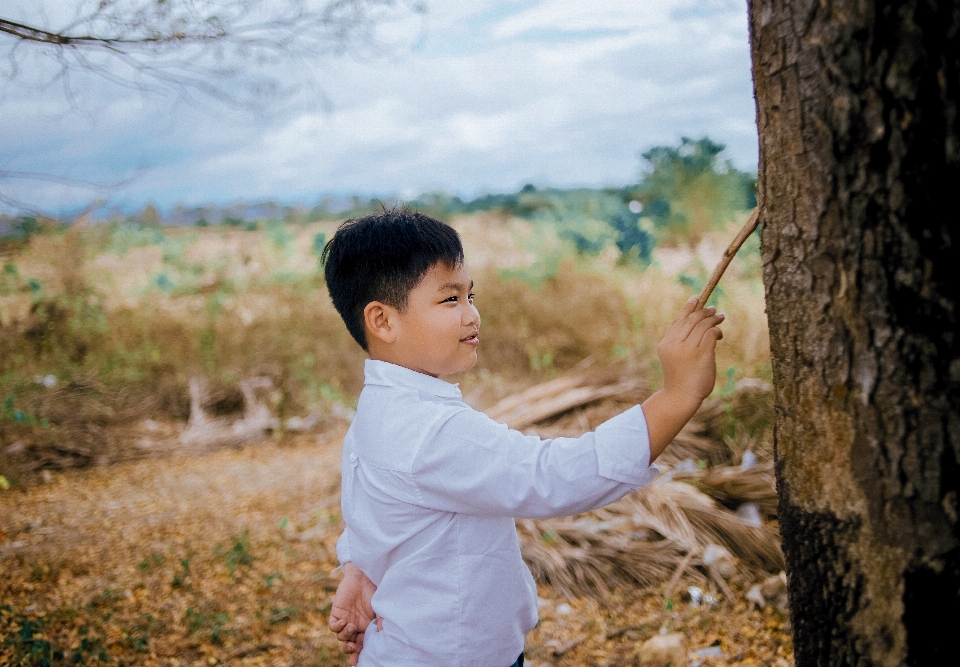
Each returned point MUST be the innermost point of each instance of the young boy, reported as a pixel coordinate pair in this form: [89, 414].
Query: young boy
[431, 487]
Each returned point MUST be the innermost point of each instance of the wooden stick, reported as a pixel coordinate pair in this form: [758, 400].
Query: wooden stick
[728, 255]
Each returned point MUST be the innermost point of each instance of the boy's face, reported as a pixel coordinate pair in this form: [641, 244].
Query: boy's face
[437, 331]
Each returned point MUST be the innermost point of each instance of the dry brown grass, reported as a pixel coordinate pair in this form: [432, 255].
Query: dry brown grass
[122, 329]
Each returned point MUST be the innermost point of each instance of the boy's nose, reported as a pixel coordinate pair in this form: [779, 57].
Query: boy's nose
[473, 316]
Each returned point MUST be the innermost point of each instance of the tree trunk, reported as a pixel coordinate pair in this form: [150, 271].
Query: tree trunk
[857, 106]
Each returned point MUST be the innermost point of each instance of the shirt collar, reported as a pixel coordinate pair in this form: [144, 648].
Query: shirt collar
[390, 375]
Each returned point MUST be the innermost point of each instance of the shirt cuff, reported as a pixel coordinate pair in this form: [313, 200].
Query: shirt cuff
[623, 449]
[343, 548]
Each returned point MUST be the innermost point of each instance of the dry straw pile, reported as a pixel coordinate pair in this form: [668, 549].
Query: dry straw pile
[712, 511]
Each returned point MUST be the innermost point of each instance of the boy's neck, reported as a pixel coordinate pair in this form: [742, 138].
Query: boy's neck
[397, 362]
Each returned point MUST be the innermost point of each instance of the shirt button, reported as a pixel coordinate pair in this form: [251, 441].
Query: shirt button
[353, 457]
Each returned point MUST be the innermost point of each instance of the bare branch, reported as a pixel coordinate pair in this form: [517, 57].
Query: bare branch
[184, 44]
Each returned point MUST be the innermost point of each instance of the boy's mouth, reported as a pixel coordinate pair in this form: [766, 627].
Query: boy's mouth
[472, 339]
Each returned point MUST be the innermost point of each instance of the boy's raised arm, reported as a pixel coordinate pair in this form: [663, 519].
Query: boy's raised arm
[687, 356]
[524, 476]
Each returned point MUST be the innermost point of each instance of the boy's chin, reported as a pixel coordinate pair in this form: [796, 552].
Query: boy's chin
[464, 365]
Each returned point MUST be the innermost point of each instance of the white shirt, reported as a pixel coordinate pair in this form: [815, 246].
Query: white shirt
[429, 493]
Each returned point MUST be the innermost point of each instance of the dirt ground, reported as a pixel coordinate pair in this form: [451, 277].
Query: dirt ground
[228, 558]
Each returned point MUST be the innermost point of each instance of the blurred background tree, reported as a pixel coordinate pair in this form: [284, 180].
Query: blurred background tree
[686, 190]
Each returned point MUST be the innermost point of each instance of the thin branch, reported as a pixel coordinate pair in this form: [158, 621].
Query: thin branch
[31, 34]
[142, 39]
[728, 255]
[62, 180]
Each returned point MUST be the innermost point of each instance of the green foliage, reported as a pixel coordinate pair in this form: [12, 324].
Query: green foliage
[60, 332]
[27, 642]
[11, 282]
[22, 228]
[592, 220]
[152, 561]
[239, 554]
[179, 579]
[319, 243]
[209, 621]
[9, 412]
[30, 645]
[546, 265]
[123, 237]
[687, 189]
[278, 236]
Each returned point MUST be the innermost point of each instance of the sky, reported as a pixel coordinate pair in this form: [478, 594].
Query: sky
[472, 98]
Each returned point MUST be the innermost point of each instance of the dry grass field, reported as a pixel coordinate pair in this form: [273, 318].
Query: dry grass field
[173, 409]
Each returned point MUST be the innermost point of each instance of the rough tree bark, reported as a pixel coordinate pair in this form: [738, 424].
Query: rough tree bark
[857, 106]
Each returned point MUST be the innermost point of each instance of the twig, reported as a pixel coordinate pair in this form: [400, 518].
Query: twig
[639, 625]
[721, 582]
[728, 255]
[560, 649]
[684, 564]
[250, 650]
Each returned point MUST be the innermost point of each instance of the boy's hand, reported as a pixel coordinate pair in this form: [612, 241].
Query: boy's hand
[351, 611]
[687, 356]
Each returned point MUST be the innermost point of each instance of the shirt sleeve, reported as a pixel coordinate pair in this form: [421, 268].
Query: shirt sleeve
[474, 465]
[343, 547]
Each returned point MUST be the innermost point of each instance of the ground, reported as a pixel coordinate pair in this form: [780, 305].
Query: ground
[228, 558]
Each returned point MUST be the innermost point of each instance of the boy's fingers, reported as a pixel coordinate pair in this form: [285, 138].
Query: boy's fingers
[688, 307]
[355, 655]
[711, 336]
[706, 325]
[691, 321]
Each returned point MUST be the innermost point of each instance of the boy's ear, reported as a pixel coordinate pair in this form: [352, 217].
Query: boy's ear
[380, 320]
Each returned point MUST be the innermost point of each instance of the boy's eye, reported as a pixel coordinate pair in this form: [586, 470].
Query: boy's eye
[455, 299]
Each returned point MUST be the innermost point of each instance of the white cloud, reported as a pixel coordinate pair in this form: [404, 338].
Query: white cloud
[499, 94]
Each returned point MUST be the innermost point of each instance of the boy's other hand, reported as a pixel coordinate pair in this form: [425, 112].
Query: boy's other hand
[687, 356]
[352, 611]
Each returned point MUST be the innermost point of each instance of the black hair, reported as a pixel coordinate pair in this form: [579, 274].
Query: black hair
[381, 257]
